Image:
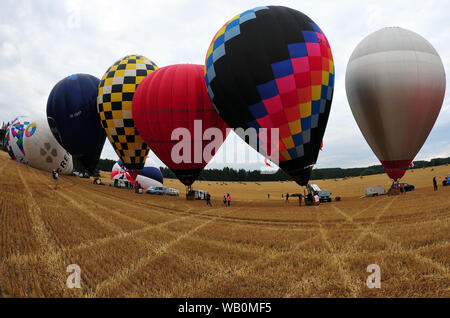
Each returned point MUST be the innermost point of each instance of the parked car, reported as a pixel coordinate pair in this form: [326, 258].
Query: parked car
[324, 196]
[172, 192]
[407, 186]
[120, 183]
[156, 190]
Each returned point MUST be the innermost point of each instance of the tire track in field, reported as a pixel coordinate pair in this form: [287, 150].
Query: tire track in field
[193, 215]
[369, 230]
[213, 218]
[203, 214]
[126, 203]
[363, 231]
[339, 263]
[64, 253]
[364, 210]
[147, 227]
[222, 272]
[124, 274]
[39, 226]
[160, 226]
[97, 205]
[146, 244]
[47, 244]
[273, 222]
[86, 210]
[115, 212]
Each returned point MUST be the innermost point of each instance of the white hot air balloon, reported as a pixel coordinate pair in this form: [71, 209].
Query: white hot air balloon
[395, 84]
[43, 151]
[150, 175]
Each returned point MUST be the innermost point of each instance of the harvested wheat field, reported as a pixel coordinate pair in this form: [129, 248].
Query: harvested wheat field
[131, 245]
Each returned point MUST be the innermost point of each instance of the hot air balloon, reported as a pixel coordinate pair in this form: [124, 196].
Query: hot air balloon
[149, 176]
[43, 151]
[14, 138]
[73, 118]
[395, 84]
[175, 97]
[272, 67]
[117, 168]
[115, 95]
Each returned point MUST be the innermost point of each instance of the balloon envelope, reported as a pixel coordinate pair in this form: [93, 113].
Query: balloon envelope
[42, 149]
[14, 138]
[272, 67]
[395, 84]
[150, 175]
[115, 95]
[175, 97]
[73, 118]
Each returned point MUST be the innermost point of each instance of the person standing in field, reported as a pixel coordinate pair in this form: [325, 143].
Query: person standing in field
[435, 184]
[300, 199]
[316, 199]
[225, 200]
[228, 199]
[55, 175]
[402, 188]
[208, 199]
[268, 195]
[287, 197]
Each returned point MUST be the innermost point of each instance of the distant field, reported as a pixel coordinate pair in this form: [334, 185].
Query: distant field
[130, 245]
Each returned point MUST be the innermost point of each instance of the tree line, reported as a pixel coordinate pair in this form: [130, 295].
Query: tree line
[230, 174]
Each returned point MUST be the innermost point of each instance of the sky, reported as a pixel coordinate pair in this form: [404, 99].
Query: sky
[42, 42]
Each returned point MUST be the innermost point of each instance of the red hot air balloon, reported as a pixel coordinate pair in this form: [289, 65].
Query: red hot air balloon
[173, 113]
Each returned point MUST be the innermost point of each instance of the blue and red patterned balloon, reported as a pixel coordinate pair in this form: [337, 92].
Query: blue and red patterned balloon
[14, 138]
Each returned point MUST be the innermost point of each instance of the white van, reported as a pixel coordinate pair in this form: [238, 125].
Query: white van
[196, 195]
[313, 187]
[375, 191]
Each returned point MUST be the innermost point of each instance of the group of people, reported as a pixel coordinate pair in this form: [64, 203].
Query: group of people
[226, 199]
[312, 198]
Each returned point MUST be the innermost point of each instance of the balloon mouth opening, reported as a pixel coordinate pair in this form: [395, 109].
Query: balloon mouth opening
[396, 169]
[300, 175]
[187, 177]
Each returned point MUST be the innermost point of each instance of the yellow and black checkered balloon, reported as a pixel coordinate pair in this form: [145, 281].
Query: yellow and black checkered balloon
[115, 96]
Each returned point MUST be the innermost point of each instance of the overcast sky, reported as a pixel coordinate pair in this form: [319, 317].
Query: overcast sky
[41, 42]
